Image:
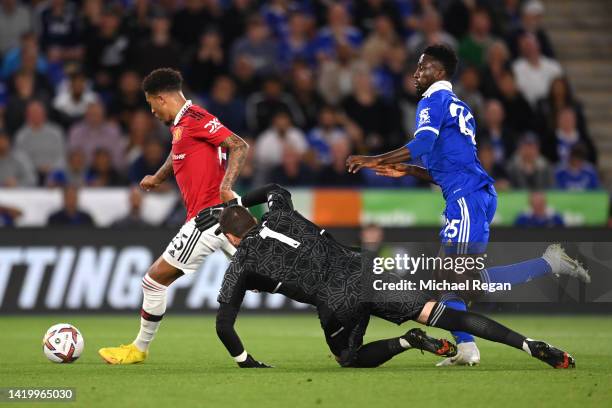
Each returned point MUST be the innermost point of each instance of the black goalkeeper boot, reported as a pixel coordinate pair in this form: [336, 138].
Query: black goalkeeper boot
[420, 340]
[550, 355]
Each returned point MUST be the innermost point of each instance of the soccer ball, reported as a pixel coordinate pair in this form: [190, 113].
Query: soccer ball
[63, 343]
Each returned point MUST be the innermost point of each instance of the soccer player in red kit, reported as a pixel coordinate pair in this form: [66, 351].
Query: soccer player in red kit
[200, 149]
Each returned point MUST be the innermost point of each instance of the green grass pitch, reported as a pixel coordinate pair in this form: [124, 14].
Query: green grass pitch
[188, 366]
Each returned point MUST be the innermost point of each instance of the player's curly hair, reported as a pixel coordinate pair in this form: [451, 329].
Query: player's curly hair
[445, 56]
[162, 80]
[236, 220]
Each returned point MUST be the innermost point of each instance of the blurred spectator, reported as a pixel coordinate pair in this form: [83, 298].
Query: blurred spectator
[128, 98]
[519, 116]
[13, 59]
[389, 76]
[495, 133]
[486, 155]
[539, 214]
[577, 173]
[372, 238]
[304, 90]
[137, 20]
[378, 44]
[15, 20]
[257, 46]
[566, 136]
[531, 22]
[156, 51]
[41, 140]
[559, 97]
[234, 21]
[337, 31]
[59, 29]
[498, 63]
[24, 92]
[140, 128]
[321, 137]
[270, 144]
[262, 106]
[368, 13]
[225, 105]
[208, 63]
[70, 214]
[134, 218]
[152, 158]
[95, 132]
[407, 100]
[336, 75]
[335, 174]
[106, 50]
[101, 172]
[71, 100]
[244, 74]
[468, 91]
[528, 169]
[276, 15]
[74, 174]
[431, 32]
[377, 120]
[16, 170]
[189, 22]
[533, 71]
[297, 44]
[473, 47]
[292, 171]
[8, 215]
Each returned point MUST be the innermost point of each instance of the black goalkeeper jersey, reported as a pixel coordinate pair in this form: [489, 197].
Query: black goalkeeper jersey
[290, 255]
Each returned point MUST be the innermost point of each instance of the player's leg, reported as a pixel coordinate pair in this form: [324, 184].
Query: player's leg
[183, 255]
[455, 237]
[437, 314]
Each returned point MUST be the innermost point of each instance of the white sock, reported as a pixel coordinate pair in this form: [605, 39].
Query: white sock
[404, 343]
[153, 309]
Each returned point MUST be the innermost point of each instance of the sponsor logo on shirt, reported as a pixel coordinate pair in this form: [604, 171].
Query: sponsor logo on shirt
[178, 156]
[213, 125]
[177, 132]
[424, 117]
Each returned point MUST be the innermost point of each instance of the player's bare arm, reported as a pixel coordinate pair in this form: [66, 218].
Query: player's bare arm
[402, 169]
[152, 182]
[237, 150]
[356, 163]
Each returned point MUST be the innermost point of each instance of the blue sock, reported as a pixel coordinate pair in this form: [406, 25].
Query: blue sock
[516, 273]
[458, 304]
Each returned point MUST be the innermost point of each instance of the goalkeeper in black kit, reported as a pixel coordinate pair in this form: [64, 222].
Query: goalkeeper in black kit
[288, 254]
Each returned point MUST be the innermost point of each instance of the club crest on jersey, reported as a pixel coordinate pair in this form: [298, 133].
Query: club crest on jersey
[424, 117]
[213, 125]
[177, 132]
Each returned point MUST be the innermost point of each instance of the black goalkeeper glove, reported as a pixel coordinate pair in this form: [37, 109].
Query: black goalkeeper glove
[250, 362]
[208, 217]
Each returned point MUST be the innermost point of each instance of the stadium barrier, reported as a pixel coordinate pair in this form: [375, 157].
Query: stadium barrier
[100, 270]
[328, 207]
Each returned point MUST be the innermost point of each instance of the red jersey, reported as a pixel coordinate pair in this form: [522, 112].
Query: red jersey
[197, 159]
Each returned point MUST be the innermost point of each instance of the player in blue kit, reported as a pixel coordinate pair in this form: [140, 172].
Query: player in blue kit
[445, 141]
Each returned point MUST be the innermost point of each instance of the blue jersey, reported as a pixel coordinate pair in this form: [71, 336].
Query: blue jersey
[445, 140]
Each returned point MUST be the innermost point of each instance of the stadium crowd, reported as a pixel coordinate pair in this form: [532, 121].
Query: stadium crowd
[305, 82]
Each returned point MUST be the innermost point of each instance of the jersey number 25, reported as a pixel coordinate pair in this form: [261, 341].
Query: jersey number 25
[464, 127]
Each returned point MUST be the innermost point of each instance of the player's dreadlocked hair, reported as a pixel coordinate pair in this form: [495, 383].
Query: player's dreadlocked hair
[236, 220]
[162, 80]
[445, 56]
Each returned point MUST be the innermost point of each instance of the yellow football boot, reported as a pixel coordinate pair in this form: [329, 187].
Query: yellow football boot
[124, 354]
